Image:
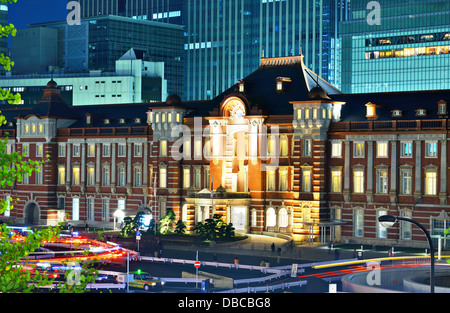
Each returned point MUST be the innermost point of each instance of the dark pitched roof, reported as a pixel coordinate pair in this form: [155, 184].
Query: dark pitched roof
[408, 102]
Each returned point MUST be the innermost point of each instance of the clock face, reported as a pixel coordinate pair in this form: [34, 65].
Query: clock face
[234, 108]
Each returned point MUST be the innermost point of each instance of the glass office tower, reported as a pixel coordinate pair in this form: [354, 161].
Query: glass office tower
[409, 49]
[224, 40]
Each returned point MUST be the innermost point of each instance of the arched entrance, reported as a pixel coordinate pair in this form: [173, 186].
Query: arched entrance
[32, 214]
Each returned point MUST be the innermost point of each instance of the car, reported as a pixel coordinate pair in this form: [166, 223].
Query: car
[141, 280]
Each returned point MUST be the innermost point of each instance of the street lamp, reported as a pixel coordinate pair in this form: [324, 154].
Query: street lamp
[389, 220]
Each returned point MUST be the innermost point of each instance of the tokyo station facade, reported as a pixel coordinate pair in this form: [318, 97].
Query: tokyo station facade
[284, 152]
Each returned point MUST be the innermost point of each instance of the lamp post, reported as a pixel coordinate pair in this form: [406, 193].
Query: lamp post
[389, 220]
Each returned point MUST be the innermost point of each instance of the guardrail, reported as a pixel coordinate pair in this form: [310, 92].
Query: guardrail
[266, 288]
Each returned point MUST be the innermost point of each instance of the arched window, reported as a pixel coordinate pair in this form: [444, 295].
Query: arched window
[283, 217]
[271, 217]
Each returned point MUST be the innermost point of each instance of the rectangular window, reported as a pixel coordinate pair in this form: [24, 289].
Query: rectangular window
[430, 183]
[283, 180]
[106, 175]
[187, 149]
[382, 181]
[91, 150]
[61, 174]
[336, 181]
[198, 177]
[358, 149]
[406, 182]
[90, 207]
[270, 180]
[198, 148]
[381, 230]
[186, 177]
[106, 150]
[163, 147]
[39, 175]
[90, 176]
[62, 150]
[137, 149]
[26, 149]
[431, 149]
[76, 209]
[307, 147]
[162, 178]
[358, 181]
[76, 150]
[406, 149]
[76, 175]
[105, 209]
[336, 149]
[39, 150]
[406, 227]
[122, 150]
[284, 146]
[121, 175]
[382, 149]
[137, 176]
[306, 180]
[358, 223]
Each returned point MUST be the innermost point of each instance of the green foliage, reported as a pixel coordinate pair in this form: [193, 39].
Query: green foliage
[215, 229]
[129, 227]
[16, 274]
[166, 224]
[180, 228]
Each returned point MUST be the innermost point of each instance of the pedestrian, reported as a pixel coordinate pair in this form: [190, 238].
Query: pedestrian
[273, 247]
[236, 261]
[215, 257]
[279, 251]
[336, 254]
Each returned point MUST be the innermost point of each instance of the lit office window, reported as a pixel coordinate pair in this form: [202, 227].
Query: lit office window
[76, 175]
[306, 180]
[336, 149]
[382, 149]
[336, 181]
[270, 180]
[163, 178]
[358, 181]
[358, 149]
[61, 174]
[431, 183]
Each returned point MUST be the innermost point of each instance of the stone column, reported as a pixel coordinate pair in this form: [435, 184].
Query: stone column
[346, 191]
[418, 171]
[369, 191]
[393, 181]
[443, 174]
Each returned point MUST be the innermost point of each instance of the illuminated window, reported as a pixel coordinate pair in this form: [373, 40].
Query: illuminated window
[198, 148]
[27, 129]
[283, 218]
[75, 209]
[61, 174]
[163, 147]
[371, 111]
[186, 177]
[336, 149]
[336, 181]
[306, 180]
[283, 179]
[163, 178]
[91, 150]
[271, 217]
[106, 175]
[382, 149]
[431, 183]
[307, 147]
[358, 149]
[358, 181]
[40, 128]
[137, 175]
[270, 180]
[90, 175]
[76, 175]
[284, 146]
[39, 150]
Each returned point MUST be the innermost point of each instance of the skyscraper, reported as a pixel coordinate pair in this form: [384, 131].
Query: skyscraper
[409, 49]
[224, 40]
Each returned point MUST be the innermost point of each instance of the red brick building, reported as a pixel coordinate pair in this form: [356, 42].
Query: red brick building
[284, 152]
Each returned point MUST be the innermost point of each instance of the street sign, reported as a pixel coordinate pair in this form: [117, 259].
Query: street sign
[138, 235]
[197, 264]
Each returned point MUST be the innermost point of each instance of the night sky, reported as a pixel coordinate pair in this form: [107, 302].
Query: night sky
[25, 12]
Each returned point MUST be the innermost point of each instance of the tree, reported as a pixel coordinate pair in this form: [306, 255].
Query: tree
[166, 224]
[16, 273]
[214, 228]
[180, 228]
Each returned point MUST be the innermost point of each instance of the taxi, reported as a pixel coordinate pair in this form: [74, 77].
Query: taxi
[144, 281]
